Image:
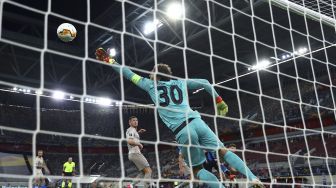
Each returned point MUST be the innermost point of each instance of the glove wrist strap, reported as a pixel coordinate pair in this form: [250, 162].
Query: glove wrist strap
[219, 99]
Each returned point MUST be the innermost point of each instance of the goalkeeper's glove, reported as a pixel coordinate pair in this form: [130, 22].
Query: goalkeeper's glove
[102, 55]
[222, 107]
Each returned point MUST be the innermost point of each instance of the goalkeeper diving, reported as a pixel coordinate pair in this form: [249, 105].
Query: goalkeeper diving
[175, 112]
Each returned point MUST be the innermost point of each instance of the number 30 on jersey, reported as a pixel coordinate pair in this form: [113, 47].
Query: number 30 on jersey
[170, 96]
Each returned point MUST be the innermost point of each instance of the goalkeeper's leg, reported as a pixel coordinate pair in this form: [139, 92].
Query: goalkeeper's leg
[199, 172]
[196, 155]
[205, 175]
[234, 161]
[208, 138]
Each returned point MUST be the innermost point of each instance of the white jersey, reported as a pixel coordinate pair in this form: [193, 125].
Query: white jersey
[133, 133]
[39, 162]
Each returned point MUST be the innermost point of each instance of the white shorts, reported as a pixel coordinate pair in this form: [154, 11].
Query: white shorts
[139, 160]
[39, 172]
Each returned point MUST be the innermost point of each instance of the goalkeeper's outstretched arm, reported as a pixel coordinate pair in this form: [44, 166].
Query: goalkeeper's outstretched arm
[145, 83]
[222, 107]
[138, 80]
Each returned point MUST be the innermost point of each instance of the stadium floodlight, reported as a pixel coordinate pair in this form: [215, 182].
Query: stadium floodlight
[15, 88]
[27, 90]
[175, 10]
[261, 65]
[151, 26]
[91, 100]
[39, 92]
[112, 52]
[104, 101]
[302, 50]
[71, 97]
[58, 95]
[283, 57]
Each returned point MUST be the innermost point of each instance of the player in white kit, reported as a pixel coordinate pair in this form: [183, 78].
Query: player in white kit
[134, 150]
[39, 165]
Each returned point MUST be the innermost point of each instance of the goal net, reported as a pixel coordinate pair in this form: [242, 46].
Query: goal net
[273, 62]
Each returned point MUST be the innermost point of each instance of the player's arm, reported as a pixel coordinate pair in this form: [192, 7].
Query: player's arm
[181, 164]
[180, 160]
[222, 107]
[141, 131]
[63, 169]
[74, 169]
[45, 167]
[136, 79]
[132, 141]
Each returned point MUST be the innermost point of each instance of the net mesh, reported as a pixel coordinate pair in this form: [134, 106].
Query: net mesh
[273, 62]
[324, 7]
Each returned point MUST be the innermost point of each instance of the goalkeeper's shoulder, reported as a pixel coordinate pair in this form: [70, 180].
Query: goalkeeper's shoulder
[198, 80]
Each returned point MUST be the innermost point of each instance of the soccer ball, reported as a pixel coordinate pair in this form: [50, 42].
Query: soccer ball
[66, 32]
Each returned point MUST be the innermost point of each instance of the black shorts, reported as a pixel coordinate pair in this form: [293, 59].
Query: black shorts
[67, 173]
